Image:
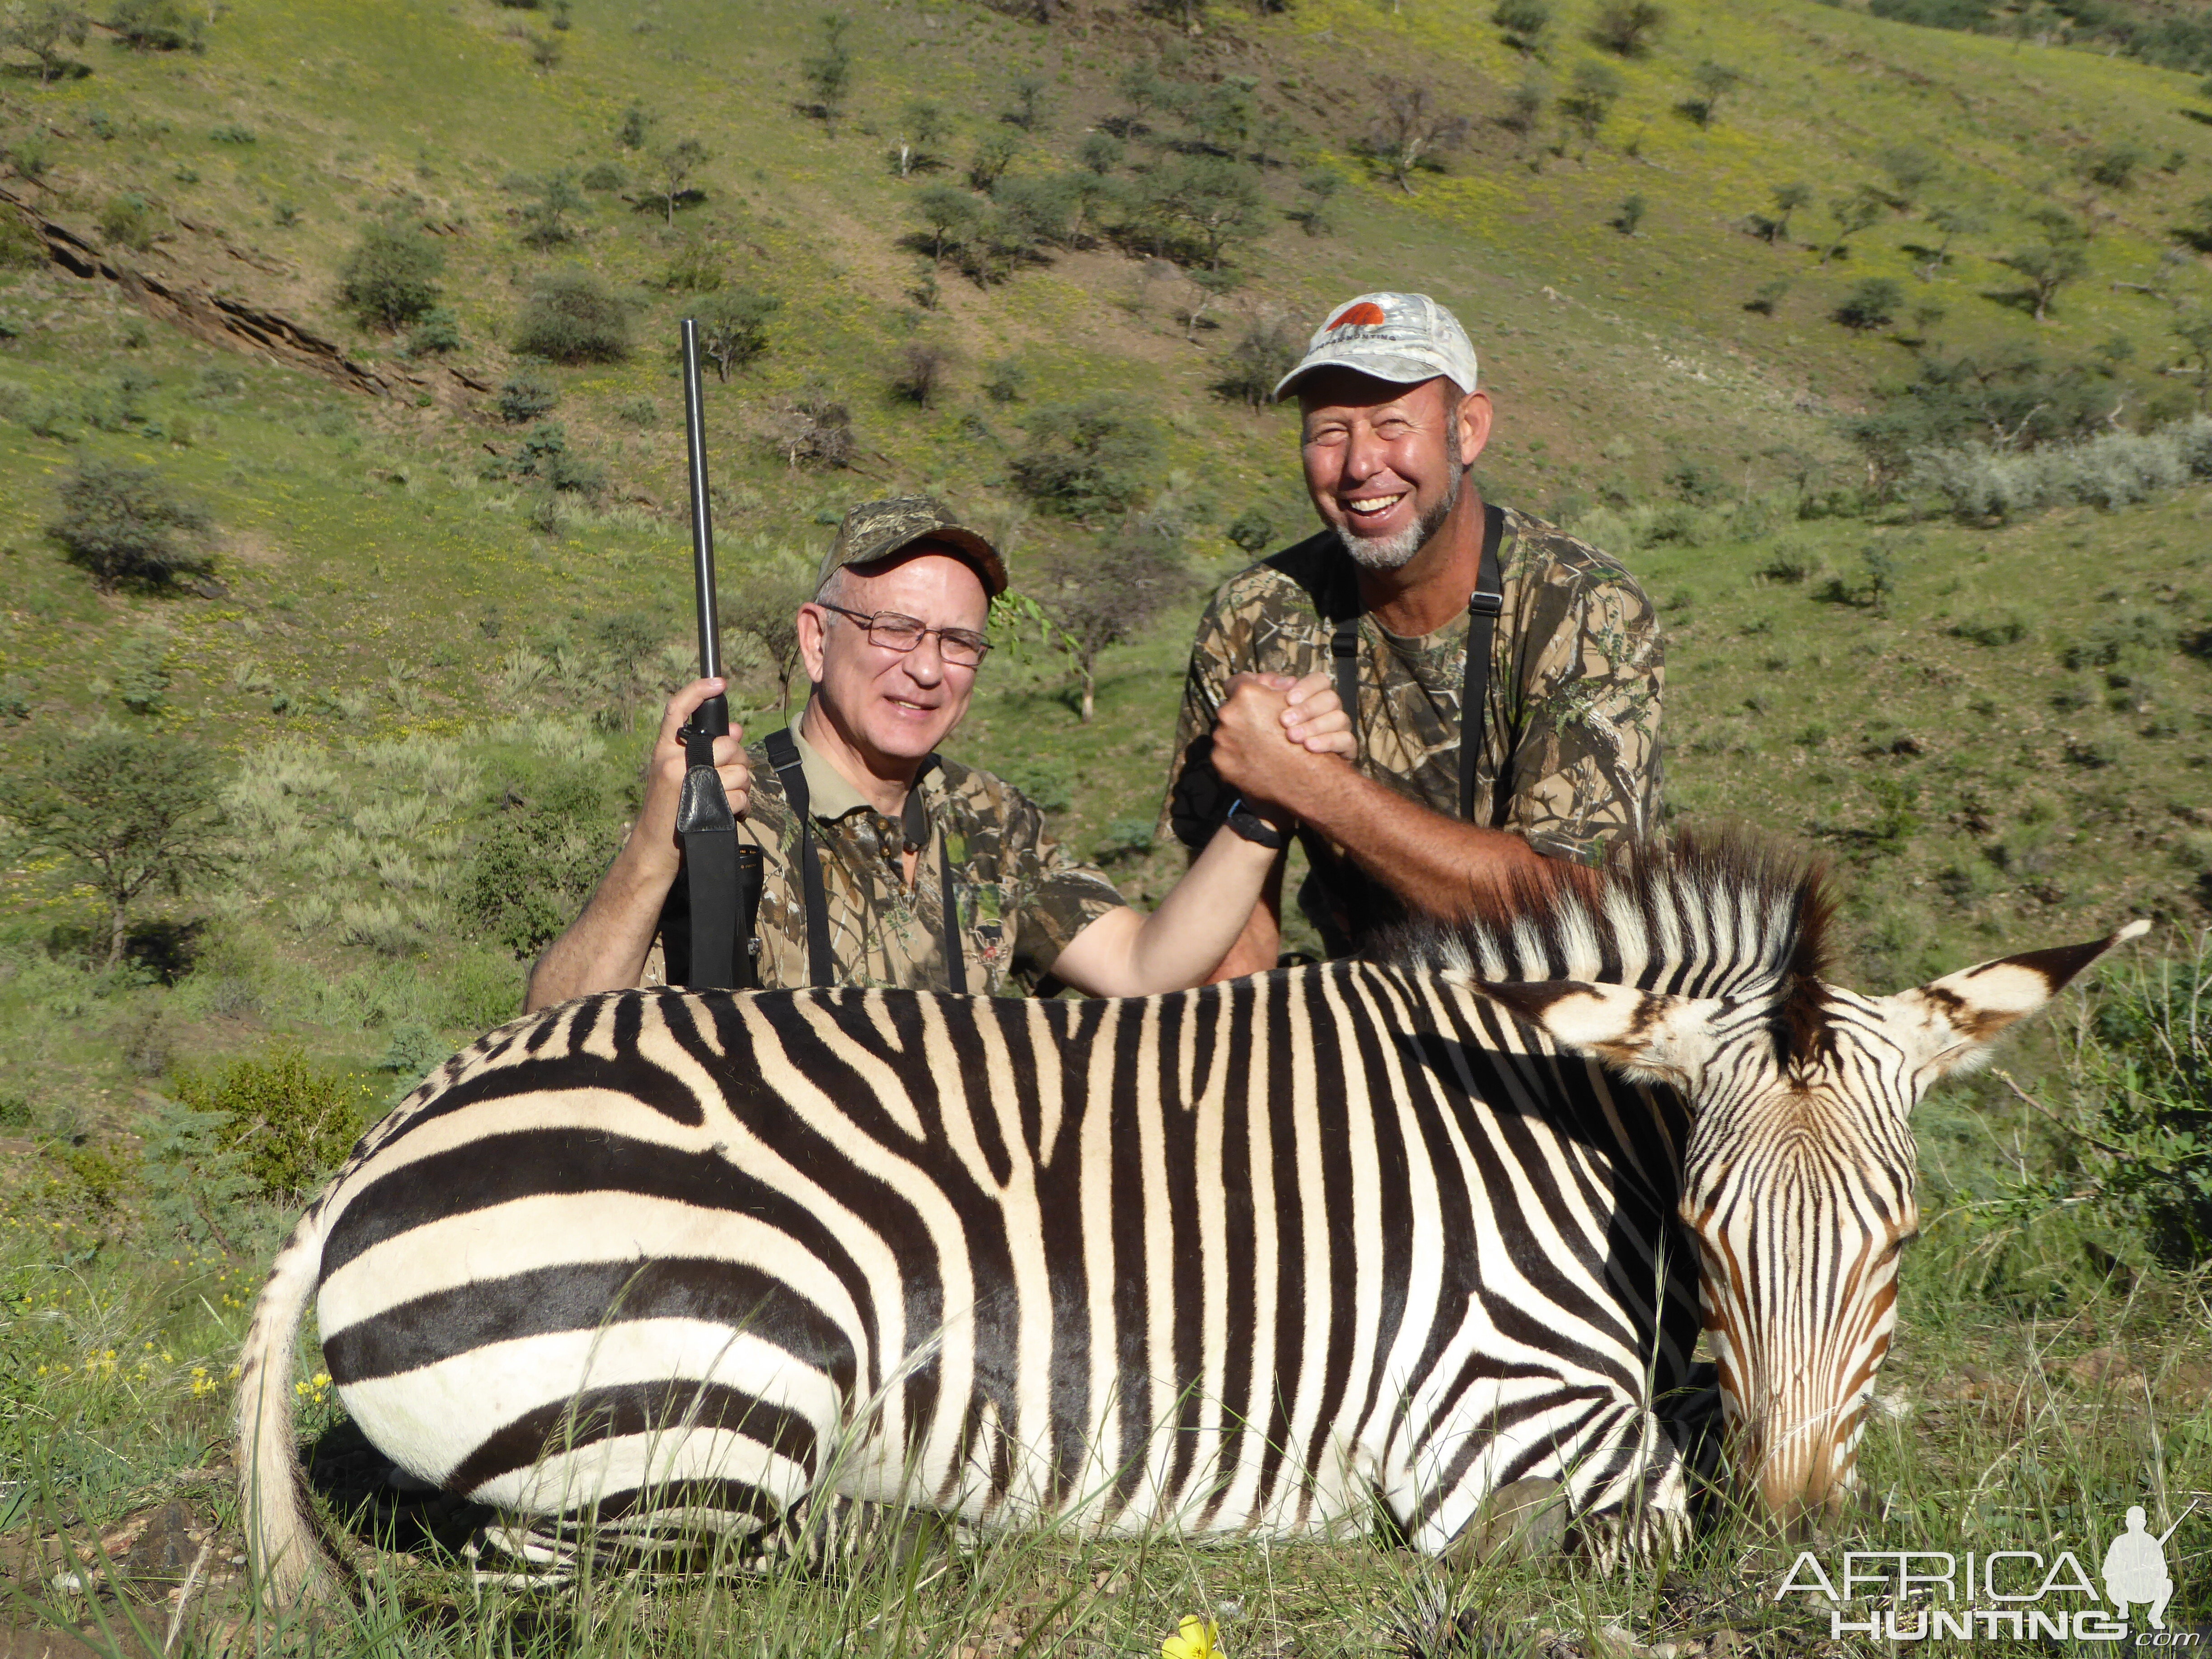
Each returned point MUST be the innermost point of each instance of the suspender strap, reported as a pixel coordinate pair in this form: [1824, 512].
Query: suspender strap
[821, 968]
[783, 755]
[1482, 608]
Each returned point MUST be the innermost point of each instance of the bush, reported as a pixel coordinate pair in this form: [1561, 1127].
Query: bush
[124, 524]
[1869, 305]
[22, 247]
[530, 873]
[573, 318]
[439, 331]
[1269, 349]
[155, 26]
[391, 277]
[1084, 458]
[605, 175]
[1993, 628]
[527, 396]
[291, 1121]
[1628, 28]
[127, 222]
[734, 328]
[2113, 469]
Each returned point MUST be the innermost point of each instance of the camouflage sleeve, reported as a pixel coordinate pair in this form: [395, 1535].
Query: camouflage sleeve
[1586, 760]
[1058, 896]
[1194, 803]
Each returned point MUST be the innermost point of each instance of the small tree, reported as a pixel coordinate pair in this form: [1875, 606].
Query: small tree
[123, 524]
[1027, 110]
[733, 327]
[1412, 130]
[1100, 153]
[1950, 223]
[1853, 214]
[43, 28]
[924, 123]
[1317, 189]
[1787, 198]
[1269, 349]
[762, 605]
[994, 154]
[545, 220]
[1525, 110]
[1212, 201]
[1714, 82]
[527, 396]
[919, 376]
[673, 168]
[391, 277]
[2046, 267]
[630, 131]
[1214, 285]
[1592, 92]
[1525, 24]
[1912, 170]
[2195, 334]
[155, 26]
[1628, 28]
[572, 317]
[128, 811]
[1869, 305]
[949, 216]
[1095, 601]
[1085, 459]
[1628, 215]
[829, 72]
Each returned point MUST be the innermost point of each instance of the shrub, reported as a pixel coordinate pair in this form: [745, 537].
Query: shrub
[439, 331]
[391, 277]
[1993, 628]
[22, 247]
[1869, 305]
[813, 428]
[527, 396]
[1251, 530]
[1083, 458]
[919, 373]
[142, 674]
[235, 135]
[155, 26]
[1124, 838]
[530, 871]
[734, 328]
[605, 175]
[291, 1121]
[1524, 23]
[124, 524]
[696, 268]
[638, 412]
[1269, 349]
[1628, 28]
[573, 318]
[127, 222]
[1006, 381]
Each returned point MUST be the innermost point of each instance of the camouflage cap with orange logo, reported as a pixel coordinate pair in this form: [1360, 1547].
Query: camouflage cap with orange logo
[1399, 338]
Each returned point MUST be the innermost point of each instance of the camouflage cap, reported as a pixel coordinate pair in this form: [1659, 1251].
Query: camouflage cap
[876, 530]
[1402, 338]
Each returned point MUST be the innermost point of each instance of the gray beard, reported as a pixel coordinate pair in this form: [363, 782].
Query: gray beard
[1390, 552]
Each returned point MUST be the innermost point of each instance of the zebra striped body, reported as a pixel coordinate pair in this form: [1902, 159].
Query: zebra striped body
[1238, 1261]
[1234, 1259]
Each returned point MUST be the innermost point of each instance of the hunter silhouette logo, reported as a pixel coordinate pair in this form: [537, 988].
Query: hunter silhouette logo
[1922, 1596]
[2134, 1569]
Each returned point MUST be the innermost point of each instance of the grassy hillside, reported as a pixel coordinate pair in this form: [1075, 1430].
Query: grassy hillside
[425, 673]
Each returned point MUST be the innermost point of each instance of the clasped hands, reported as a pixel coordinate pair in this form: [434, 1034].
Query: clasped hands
[1280, 742]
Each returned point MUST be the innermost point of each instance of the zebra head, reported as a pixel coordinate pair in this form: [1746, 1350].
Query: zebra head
[1797, 1179]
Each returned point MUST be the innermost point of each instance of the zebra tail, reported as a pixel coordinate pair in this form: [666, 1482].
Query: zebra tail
[284, 1545]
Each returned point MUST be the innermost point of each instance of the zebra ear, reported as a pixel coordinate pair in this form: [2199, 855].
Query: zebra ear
[1950, 1023]
[1648, 1037]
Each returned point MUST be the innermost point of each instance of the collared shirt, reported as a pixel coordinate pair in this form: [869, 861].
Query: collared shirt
[1021, 896]
[1571, 721]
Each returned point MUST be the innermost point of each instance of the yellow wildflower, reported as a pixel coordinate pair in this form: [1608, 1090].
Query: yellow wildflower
[1196, 1640]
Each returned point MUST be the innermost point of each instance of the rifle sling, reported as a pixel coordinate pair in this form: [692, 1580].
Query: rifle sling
[821, 966]
[1483, 606]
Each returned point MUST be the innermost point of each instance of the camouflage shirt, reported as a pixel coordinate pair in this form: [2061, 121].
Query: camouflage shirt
[1021, 897]
[1572, 721]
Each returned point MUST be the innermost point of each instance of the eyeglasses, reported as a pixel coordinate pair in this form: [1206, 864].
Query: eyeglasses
[961, 648]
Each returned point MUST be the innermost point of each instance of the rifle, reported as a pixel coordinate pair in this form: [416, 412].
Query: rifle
[707, 924]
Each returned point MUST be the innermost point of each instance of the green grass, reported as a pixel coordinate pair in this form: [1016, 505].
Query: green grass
[1993, 749]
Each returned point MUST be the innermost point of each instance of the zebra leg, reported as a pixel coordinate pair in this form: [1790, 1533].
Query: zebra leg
[1633, 1500]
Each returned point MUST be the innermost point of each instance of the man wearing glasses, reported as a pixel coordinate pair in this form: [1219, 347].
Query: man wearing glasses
[855, 879]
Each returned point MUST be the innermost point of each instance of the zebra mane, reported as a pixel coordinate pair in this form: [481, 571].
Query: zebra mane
[1730, 915]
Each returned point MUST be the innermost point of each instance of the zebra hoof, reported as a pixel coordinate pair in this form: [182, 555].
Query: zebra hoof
[1519, 1522]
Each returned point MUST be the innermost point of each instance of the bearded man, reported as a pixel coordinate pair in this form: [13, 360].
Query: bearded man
[1505, 677]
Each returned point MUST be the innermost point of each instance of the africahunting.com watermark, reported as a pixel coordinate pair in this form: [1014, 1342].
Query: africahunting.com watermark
[2003, 1594]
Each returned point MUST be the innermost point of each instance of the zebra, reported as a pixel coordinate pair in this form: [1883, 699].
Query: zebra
[1431, 1229]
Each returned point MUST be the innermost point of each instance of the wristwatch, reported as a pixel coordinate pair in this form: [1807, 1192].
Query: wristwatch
[1254, 827]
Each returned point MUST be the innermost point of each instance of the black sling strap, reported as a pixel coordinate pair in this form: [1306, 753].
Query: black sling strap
[1483, 606]
[821, 968]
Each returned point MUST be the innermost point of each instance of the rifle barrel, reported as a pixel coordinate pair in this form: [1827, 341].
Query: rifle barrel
[702, 533]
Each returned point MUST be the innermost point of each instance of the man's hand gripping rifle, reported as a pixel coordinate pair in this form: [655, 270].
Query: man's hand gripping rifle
[706, 925]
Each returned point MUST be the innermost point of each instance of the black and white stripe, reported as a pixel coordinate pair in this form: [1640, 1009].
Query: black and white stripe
[1236, 1261]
